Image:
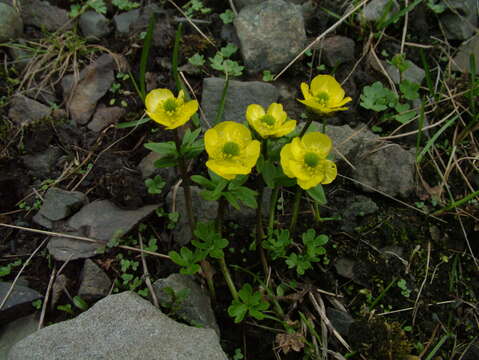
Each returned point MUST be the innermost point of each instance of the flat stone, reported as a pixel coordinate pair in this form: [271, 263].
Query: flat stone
[354, 209]
[376, 10]
[94, 25]
[95, 80]
[460, 19]
[149, 170]
[124, 20]
[25, 111]
[105, 116]
[19, 302]
[21, 56]
[59, 204]
[94, 283]
[461, 61]
[194, 307]
[16, 331]
[44, 15]
[271, 34]
[240, 94]
[413, 73]
[11, 24]
[340, 320]
[42, 164]
[100, 220]
[337, 50]
[122, 326]
[345, 267]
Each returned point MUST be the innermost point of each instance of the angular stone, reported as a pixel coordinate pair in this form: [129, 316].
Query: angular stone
[461, 61]
[94, 283]
[18, 303]
[148, 169]
[413, 73]
[194, 307]
[354, 209]
[345, 267]
[271, 34]
[460, 19]
[105, 116]
[337, 50]
[95, 80]
[42, 164]
[124, 20]
[122, 326]
[94, 25]
[11, 24]
[59, 204]
[100, 220]
[340, 320]
[240, 94]
[45, 16]
[376, 10]
[12, 333]
[24, 111]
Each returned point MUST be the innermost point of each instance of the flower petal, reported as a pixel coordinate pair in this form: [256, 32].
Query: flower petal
[212, 142]
[160, 118]
[236, 132]
[327, 84]
[227, 167]
[286, 128]
[344, 101]
[155, 97]
[329, 170]
[189, 108]
[250, 154]
[311, 182]
[318, 142]
[285, 158]
[276, 111]
[305, 90]
[254, 112]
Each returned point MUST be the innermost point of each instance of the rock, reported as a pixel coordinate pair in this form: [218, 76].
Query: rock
[245, 212]
[337, 50]
[100, 220]
[340, 320]
[21, 54]
[413, 73]
[242, 3]
[11, 24]
[192, 302]
[124, 20]
[372, 161]
[59, 204]
[392, 251]
[94, 25]
[45, 16]
[377, 10]
[345, 267]
[105, 116]
[19, 302]
[122, 326]
[460, 19]
[240, 94]
[148, 169]
[25, 111]
[16, 331]
[356, 208]
[42, 164]
[95, 80]
[94, 283]
[271, 34]
[59, 285]
[461, 61]
[203, 210]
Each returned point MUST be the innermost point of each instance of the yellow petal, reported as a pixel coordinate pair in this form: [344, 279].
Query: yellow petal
[318, 142]
[314, 105]
[227, 167]
[251, 154]
[236, 132]
[285, 158]
[311, 182]
[344, 101]
[189, 109]
[305, 90]
[286, 128]
[212, 142]
[276, 111]
[254, 112]
[178, 120]
[297, 149]
[329, 85]
[159, 118]
[155, 97]
[329, 170]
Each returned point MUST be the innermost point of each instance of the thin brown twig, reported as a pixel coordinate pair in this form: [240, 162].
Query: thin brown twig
[146, 275]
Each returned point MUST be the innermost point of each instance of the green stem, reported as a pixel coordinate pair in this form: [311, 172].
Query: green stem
[294, 217]
[272, 208]
[317, 213]
[305, 127]
[457, 203]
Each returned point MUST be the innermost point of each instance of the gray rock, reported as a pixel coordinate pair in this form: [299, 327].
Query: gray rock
[376, 10]
[392, 251]
[124, 20]
[337, 50]
[94, 283]
[340, 320]
[11, 24]
[95, 80]
[194, 307]
[16, 331]
[60, 203]
[100, 220]
[148, 169]
[45, 16]
[345, 267]
[42, 164]
[240, 94]
[271, 34]
[105, 116]
[242, 3]
[460, 20]
[356, 208]
[461, 61]
[18, 303]
[413, 73]
[203, 210]
[122, 326]
[94, 25]
[21, 54]
[24, 111]
[372, 161]
[58, 288]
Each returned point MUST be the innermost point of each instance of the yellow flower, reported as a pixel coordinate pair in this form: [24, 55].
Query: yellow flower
[273, 123]
[165, 109]
[231, 149]
[305, 159]
[325, 95]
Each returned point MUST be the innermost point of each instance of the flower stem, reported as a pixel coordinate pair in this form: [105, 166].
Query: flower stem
[272, 208]
[186, 183]
[294, 217]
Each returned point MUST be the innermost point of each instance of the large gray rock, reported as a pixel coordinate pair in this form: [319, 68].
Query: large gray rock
[461, 61]
[240, 94]
[105, 116]
[203, 210]
[94, 283]
[377, 166]
[460, 20]
[354, 209]
[122, 326]
[11, 24]
[340, 320]
[149, 170]
[25, 111]
[124, 20]
[271, 34]
[95, 80]
[44, 15]
[18, 303]
[337, 50]
[42, 164]
[376, 10]
[100, 220]
[94, 25]
[194, 307]
[59, 204]
[16, 331]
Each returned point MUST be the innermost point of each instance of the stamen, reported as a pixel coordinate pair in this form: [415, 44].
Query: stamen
[311, 159]
[231, 149]
[268, 120]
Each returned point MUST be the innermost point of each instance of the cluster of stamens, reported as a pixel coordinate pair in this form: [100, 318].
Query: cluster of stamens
[230, 149]
[170, 106]
[322, 98]
[268, 120]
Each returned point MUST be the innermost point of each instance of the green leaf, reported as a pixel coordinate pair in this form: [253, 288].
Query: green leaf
[135, 123]
[228, 50]
[164, 148]
[125, 4]
[66, 308]
[197, 60]
[238, 311]
[232, 199]
[317, 194]
[377, 98]
[97, 5]
[80, 303]
[227, 17]
[269, 173]
[409, 89]
[166, 162]
[204, 182]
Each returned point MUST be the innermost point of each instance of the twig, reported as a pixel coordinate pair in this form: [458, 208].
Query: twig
[146, 274]
[47, 297]
[416, 307]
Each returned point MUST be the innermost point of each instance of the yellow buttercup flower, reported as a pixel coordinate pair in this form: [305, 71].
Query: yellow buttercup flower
[164, 108]
[231, 149]
[273, 123]
[325, 95]
[305, 159]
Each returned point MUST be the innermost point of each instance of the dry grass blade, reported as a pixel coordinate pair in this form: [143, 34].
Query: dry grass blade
[146, 274]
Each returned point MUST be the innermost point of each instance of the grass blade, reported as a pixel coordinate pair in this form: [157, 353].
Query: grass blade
[433, 139]
[145, 52]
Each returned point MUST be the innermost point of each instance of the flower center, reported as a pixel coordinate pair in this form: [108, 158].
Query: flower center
[311, 159]
[170, 106]
[322, 98]
[231, 149]
[268, 120]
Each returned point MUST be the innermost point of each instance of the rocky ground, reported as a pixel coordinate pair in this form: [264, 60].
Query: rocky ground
[80, 194]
